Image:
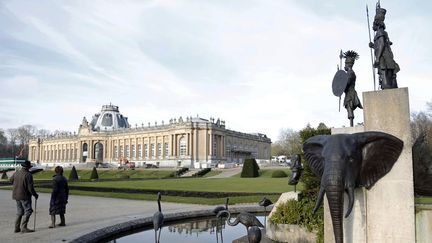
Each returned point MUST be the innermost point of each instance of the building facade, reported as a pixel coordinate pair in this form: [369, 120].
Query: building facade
[108, 138]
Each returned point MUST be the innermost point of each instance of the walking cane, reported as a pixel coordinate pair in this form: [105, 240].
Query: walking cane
[34, 223]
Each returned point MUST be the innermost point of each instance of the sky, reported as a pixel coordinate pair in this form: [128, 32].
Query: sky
[259, 65]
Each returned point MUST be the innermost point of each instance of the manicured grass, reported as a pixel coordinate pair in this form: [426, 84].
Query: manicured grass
[423, 200]
[212, 173]
[110, 174]
[151, 197]
[156, 180]
[266, 173]
[232, 184]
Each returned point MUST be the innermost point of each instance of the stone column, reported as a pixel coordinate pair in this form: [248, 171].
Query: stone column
[390, 202]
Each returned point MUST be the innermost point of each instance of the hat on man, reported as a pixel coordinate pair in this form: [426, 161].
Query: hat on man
[26, 164]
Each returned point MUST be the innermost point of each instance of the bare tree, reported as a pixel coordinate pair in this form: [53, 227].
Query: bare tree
[289, 143]
[3, 139]
[43, 133]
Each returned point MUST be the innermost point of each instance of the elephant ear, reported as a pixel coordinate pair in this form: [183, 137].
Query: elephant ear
[379, 151]
[313, 153]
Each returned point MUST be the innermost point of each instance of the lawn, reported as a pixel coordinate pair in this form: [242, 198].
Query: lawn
[110, 174]
[263, 183]
[232, 184]
[157, 179]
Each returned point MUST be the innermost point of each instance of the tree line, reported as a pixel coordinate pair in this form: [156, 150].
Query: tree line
[289, 141]
[15, 141]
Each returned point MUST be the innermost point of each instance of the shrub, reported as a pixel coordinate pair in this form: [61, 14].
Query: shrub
[202, 172]
[181, 171]
[94, 175]
[300, 213]
[4, 176]
[73, 176]
[278, 174]
[250, 169]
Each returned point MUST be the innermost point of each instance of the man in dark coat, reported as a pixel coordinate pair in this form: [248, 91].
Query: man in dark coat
[23, 189]
[59, 197]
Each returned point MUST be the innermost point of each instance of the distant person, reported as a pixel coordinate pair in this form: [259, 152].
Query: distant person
[23, 189]
[59, 197]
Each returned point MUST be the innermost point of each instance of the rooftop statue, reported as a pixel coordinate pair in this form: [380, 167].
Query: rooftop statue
[384, 62]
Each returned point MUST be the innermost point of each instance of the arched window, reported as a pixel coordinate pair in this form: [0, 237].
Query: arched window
[98, 152]
[183, 146]
[85, 152]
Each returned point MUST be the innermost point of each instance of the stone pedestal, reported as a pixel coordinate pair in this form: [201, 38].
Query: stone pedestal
[385, 213]
[390, 202]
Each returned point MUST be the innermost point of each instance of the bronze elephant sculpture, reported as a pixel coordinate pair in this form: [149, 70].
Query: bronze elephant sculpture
[347, 161]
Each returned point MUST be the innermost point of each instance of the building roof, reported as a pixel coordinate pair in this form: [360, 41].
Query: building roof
[109, 119]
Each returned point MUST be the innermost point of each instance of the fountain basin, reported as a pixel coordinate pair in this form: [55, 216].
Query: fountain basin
[147, 222]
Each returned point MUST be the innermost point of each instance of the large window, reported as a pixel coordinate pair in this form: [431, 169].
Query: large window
[115, 151]
[127, 151]
[121, 151]
[214, 145]
[166, 150]
[140, 151]
[133, 151]
[183, 146]
[159, 148]
[153, 150]
[146, 151]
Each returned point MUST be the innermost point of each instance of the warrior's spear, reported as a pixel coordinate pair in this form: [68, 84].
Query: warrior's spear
[370, 40]
[340, 61]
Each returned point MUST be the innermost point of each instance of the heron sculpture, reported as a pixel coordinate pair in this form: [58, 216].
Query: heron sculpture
[247, 219]
[216, 210]
[254, 234]
[158, 219]
[265, 202]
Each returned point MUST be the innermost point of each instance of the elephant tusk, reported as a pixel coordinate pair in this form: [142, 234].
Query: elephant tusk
[319, 199]
[350, 192]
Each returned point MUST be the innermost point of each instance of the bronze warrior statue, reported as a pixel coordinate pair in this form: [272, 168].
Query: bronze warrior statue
[384, 62]
[351, 100]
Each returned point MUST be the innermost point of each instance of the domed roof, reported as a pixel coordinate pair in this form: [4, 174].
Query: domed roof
[109, 119]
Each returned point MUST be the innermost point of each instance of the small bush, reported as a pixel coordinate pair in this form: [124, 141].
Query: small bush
[300, 213]
[73, 176]
[4, 176]
[202, 172]
[181, 171]
[250, 169]
[279, 174]
[94, 175]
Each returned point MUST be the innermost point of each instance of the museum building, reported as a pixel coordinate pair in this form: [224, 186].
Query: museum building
[191, 142]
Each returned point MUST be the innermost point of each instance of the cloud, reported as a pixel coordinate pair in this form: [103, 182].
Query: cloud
[258, 65]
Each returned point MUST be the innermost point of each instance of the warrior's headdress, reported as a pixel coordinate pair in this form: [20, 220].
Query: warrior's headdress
[350, 56]
[379, 15]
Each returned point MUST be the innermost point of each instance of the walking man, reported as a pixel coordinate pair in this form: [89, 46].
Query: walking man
[23, 190]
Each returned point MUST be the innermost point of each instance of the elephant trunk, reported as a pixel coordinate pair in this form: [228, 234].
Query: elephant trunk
[335, 200]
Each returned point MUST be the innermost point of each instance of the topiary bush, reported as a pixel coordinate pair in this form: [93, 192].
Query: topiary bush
[94, 175]
[250, 169]
[278, 174]
[73, 176]
[4, 176]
